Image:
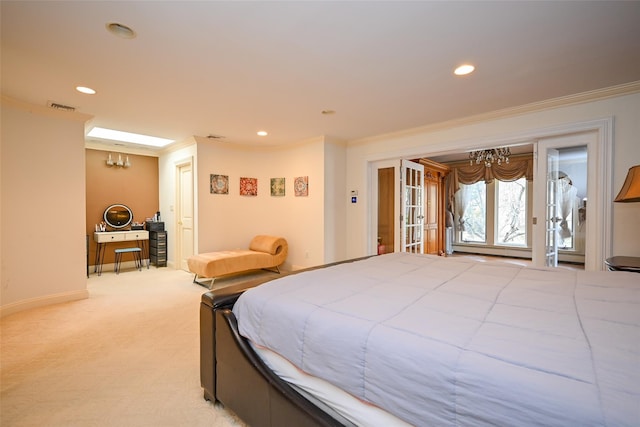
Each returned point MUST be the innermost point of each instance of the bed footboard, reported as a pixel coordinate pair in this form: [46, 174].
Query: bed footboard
[232, 374]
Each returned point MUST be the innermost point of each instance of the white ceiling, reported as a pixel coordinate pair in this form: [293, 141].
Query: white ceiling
[231, 68]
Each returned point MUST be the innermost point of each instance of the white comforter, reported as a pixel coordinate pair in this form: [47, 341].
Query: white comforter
[452, 342]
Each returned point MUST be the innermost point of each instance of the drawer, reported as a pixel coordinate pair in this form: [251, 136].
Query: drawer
[158, 251]
[157, 244]
[120, 236]
[137, 235]
[106, 237]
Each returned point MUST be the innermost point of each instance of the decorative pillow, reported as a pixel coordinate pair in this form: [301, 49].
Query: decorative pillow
[269, 244]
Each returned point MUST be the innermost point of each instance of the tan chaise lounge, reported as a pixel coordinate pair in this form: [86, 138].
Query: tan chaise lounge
[265, 252]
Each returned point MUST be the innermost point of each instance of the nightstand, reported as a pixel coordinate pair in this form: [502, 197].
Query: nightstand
[623, 263]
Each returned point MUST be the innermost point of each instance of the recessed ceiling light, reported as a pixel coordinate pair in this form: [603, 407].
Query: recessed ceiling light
[86, 90]
[464, 70]
[120, 30]
[262, 133]
[134, 138]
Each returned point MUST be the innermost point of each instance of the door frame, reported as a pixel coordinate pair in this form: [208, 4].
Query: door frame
[600, 169]
[372, 234]
[399, 222]
[594, 254]
[177, 239]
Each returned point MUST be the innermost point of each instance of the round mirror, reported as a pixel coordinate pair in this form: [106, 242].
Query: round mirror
[118, 216]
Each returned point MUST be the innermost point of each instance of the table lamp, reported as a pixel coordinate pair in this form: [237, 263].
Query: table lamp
[630, 191]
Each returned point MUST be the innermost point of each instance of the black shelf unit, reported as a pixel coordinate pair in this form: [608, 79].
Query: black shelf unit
[158, 248]
[157, 244]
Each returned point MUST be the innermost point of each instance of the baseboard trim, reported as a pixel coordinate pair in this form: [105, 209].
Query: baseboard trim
[27, 304]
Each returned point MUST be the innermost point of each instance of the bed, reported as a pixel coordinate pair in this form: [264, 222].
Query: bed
[425, 340]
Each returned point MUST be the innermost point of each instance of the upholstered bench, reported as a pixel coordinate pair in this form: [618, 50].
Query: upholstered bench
[137, 257]
[265, 252]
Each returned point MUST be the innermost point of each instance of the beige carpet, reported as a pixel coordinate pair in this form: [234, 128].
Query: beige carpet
[127, 356]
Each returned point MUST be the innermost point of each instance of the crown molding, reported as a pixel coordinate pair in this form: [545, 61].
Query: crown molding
[578, 98]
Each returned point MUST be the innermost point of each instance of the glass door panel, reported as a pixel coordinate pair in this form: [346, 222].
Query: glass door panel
[412, 207]
[552, 217]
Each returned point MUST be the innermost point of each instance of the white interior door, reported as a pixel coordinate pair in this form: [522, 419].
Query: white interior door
[411, 207]
[184, 229]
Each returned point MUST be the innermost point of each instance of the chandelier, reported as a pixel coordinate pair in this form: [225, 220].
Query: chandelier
[489, 157]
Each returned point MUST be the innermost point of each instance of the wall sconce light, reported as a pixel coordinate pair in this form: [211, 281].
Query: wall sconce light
[119, 163]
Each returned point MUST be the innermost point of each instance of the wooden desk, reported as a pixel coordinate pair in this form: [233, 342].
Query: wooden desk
[623, 263]
[140, 237]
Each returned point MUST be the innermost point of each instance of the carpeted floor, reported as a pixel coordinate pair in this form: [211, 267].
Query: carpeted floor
[127, 356]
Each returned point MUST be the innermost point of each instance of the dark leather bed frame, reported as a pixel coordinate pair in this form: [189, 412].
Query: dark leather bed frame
[232, 374]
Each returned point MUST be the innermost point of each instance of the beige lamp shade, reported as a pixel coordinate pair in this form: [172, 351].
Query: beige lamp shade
[631, 189]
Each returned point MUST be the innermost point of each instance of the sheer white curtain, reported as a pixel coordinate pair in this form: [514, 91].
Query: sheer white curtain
[567, 203]
[461, 198]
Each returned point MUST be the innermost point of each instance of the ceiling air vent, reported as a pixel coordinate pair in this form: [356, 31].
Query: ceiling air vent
[59, 106]
[211, 136]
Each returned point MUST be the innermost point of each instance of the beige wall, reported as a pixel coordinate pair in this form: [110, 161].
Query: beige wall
[230, 221]
[135, 187]
[43, 206]
[624, 109]
[336, 199]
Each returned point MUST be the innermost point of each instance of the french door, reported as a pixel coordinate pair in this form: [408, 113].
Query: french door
[548, 196]
[552, 217]
[411, 207]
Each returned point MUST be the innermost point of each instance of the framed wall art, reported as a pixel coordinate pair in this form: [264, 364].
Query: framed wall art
[248, 186]
[301, 186]
[219, 184]
[277, 187]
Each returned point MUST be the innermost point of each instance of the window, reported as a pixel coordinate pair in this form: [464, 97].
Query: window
[471, 202]
[493, 214]
[511, 212]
